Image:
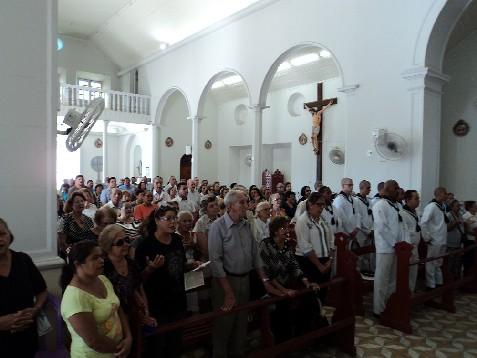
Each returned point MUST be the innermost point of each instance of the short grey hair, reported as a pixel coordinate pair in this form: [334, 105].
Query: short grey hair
[345, 181]
[232, 197]
[182, 213]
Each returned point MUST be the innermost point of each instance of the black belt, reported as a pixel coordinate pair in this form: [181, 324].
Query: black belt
[236, 274]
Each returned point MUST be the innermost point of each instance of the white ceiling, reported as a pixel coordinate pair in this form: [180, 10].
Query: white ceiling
[131, 30]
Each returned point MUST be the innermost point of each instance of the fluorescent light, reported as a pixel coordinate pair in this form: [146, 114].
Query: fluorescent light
[217, 84]
[283, 66]
[304, 59]
[163, 46]
[325, 54]
[232, 80]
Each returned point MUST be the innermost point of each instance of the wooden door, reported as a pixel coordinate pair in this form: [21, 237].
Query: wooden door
[185, 167]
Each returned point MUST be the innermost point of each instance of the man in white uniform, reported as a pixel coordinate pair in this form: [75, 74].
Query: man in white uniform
[364, 235]
[388, 230]
[411, 222]
[344, 204]
[434, 232]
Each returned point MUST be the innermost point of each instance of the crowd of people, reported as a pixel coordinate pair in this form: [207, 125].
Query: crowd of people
[127, 245]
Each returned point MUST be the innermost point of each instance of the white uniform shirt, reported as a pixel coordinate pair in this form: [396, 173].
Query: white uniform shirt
[363, 208]
[313, 235]
[411, 223]
[346, 211]
[433, 224]
[388, 229]
[329, 215]
[300, 209]
[374, 200]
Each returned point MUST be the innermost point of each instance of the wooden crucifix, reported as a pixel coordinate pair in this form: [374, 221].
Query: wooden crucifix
[317, 109]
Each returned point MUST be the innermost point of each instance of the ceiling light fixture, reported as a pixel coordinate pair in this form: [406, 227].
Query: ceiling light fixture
[305, 59]
[217, 84]
[163, 46]
[325, 54]
[284, 66]
[232, 80]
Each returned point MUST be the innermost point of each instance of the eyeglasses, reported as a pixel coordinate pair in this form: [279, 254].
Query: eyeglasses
[349, 184]
[122, 242]
[168, 218]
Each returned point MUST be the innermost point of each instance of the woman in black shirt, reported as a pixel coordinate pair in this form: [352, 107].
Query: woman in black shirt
[20, 284]
[162, 260]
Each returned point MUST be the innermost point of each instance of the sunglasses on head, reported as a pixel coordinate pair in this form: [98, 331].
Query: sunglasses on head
[122, 242]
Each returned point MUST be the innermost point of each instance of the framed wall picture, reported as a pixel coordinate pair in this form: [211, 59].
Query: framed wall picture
[461, 128]
[303, 139]
[208, 144]
[169, 142]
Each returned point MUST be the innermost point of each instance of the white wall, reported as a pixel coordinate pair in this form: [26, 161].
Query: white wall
[174, 124]
[373, 43]
[281, 149]
[84, 55]
[27, 127]
[208, 165]
[458, 168]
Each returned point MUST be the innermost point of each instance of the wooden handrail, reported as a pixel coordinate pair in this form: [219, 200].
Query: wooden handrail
[250, 306]
[397, 313]
[340, 331]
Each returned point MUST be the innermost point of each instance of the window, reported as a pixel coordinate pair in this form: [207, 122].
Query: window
[89, 94]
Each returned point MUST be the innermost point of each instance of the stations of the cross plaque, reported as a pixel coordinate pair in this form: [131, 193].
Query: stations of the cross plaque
[317, 109]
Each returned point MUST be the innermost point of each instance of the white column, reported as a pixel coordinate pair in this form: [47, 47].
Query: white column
[105, 149]
[425, 96]
[155, 151]
[195, 144]
[29, 139]
[256, 174]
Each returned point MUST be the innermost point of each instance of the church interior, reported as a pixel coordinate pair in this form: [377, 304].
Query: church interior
[228, 91]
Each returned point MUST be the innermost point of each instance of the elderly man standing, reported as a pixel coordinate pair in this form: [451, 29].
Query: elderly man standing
[388, 230]
[193, 195]
[434, 232]
[233, 253]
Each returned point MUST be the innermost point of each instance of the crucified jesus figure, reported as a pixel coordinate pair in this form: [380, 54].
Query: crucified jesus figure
[316, 125]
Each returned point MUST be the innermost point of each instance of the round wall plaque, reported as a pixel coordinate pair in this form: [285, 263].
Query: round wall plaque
[98, 143]
[208, 144]
[461, 128]
[169, 142]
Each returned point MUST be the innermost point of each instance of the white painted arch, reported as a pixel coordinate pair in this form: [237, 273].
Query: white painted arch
[158, 120]
[435, 31]
[265, 87]
[210, 82]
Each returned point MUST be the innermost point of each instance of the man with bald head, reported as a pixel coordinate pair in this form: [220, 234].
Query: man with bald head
[434, 232]
[388, 230]
[364, 235]
[344, 204]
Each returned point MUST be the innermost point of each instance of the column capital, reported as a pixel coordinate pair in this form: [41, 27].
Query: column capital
[349, 89]
[421, 77]
[258, 107]
[194, 118]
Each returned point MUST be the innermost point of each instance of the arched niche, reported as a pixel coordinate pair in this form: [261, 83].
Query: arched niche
[224, 108]
[459, 102]
[172, 121]
[290, 82]
[137, 161]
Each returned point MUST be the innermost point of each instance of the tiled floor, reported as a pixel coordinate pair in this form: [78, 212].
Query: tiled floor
[436, 334]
